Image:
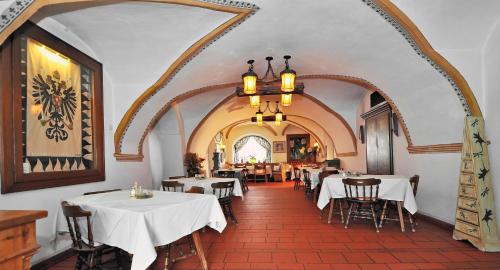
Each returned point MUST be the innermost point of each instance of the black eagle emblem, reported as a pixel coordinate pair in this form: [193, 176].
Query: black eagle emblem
[58, 105]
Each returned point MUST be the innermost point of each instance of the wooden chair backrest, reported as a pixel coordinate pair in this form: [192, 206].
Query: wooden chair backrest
[101, 191]
[361, 189]
[72, 213]
[227, 174]
[223, 189]
[259, 169]
[276, 167]
[414, 183]
[307, 175]
[195, 189]
[324, 174]
[177, 177]
[172, 185]
[296, 172]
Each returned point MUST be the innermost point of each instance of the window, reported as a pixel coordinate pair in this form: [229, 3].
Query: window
[252, 149]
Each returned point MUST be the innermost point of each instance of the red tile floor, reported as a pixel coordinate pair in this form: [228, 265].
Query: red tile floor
[280, 229]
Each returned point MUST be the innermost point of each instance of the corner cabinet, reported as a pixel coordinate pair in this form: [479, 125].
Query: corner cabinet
[378, 125]
[18, 238]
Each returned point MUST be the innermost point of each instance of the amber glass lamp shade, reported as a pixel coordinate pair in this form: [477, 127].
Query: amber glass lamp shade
[288, 80]
[249, 82]
[279, 118]
[259, 115]
[286, 100]
[254, 101]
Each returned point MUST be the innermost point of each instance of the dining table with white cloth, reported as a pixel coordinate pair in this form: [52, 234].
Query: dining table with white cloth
[392, 187]
[206, 184]
[137, 226]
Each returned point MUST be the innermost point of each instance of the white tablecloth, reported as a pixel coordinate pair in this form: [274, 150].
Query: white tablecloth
[139, 225]
[207, 182]
[392, 187]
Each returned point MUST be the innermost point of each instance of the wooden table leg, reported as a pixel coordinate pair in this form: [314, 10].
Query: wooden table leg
[199, 249]
[315, 194]
[401, 217]
[330, 213]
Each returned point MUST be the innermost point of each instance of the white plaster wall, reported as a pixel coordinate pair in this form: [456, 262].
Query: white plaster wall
[156, 157]
[169, 140]
[491, 108]
[118, 174]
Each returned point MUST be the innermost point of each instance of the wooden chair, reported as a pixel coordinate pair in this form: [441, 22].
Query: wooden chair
[172, 186]
[260, 170]
[288, 176]
[244, 179]
[296, 179]
[388, 206]
[227, 174]
[224, 192]
[195, 189]
[307, 183]
[276, 172]
[88, 253]
[177, 177]
[359, 193]
[101, 191]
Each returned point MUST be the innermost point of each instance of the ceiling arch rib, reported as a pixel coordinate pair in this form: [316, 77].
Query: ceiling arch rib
[264, 125]
[402, 88]
[239, 110]
[389, 12]
[330, 77]
[272, 131]
[307, 127]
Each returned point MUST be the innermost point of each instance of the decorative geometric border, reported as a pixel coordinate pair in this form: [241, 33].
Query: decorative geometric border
[381, 7]
[246, 10]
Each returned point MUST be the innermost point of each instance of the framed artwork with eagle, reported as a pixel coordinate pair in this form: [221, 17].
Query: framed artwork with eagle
[52, 113]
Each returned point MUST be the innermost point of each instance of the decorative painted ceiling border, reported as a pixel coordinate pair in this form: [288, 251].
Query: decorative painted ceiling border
[21, 10]
[349, 79]
[403, 24]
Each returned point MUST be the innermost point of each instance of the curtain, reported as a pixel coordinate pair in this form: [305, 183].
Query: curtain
[264, 143]
[237, 146]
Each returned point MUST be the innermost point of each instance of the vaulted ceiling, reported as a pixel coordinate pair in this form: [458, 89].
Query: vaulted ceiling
[150, 57]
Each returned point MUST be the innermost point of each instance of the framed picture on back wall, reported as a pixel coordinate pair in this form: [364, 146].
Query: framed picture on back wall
[279, 147]
[297, 145]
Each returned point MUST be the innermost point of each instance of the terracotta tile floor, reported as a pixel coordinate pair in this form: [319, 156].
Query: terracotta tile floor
[280, 229]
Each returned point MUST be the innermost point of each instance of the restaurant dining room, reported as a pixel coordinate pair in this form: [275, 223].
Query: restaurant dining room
[220, 134]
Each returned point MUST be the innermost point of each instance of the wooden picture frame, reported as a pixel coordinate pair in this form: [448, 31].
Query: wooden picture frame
[279, 147]
[298, 151]
[21, 171]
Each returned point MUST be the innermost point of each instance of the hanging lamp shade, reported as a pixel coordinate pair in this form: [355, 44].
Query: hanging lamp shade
[286, 100]
[287, 77]
[279, 118]
[249, 80]
[259, 115]
[254, 101]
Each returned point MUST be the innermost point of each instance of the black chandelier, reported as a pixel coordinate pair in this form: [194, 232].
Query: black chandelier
[255, 87]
